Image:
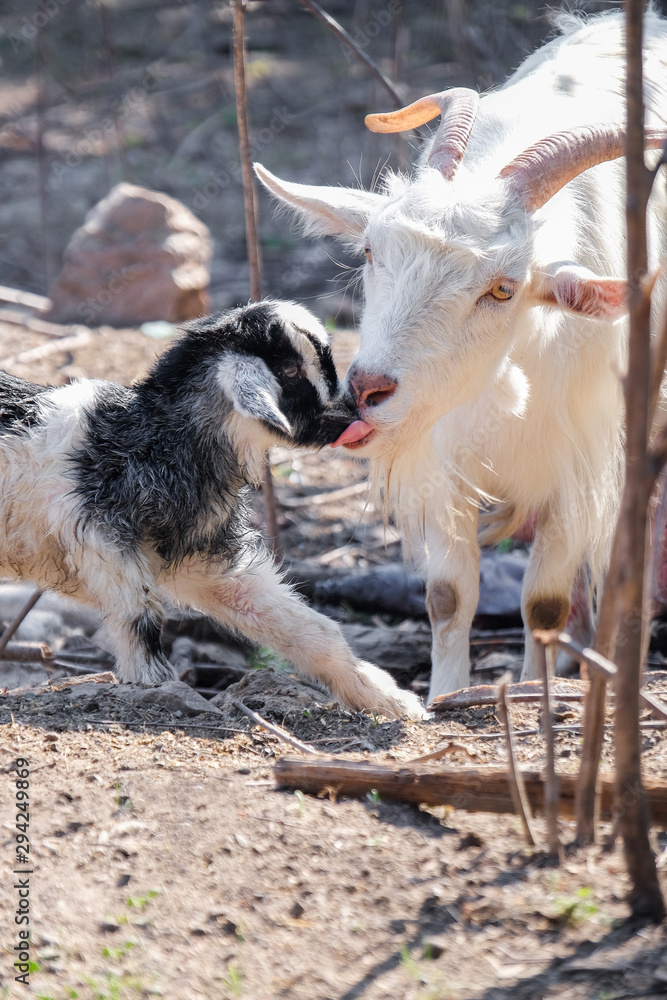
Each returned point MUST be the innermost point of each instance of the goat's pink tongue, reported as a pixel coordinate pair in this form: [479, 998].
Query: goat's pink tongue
[357, 431]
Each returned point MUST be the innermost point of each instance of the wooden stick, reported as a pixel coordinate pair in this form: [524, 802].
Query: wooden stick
[39, 303]
[341, 34]
[654, 703]
[595, 661]
[629, 549]
[53, 347]
[36, 325]
[473, 789]
[27, 652]
[15, 622]
[331, 496]
[487, 694]
[280, 733]
[517, 788]
[252, 242]
[551, 783]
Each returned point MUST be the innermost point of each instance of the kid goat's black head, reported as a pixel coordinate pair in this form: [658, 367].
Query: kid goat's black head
[273, 363]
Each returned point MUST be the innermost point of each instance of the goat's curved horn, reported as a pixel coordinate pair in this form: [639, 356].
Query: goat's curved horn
[538, 173]
[458, 110]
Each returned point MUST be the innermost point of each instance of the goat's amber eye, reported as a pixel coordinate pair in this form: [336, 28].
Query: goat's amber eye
[292, 372]
[502, 291]
[368, 254]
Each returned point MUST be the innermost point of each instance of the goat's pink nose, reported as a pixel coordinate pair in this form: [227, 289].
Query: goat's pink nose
[371, 390]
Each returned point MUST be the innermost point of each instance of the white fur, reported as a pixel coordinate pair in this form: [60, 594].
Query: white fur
[43, 539]
[516, 401]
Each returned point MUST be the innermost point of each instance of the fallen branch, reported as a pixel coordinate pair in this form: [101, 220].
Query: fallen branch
[473, 789]
[68, 343]
[280, 733]
[27, 652]
[331, 496]
[487, 694]
[27, 299]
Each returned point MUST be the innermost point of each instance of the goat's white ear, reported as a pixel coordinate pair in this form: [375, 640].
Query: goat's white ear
[326, 211]
[247, 381]
[581, 291]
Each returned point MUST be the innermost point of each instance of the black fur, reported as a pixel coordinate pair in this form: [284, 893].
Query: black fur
[156, 466]
[19, 404]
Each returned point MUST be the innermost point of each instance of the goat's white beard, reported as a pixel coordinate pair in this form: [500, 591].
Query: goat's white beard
[413, 474]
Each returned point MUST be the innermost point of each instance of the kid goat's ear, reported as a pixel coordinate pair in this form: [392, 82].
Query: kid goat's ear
[252, 388]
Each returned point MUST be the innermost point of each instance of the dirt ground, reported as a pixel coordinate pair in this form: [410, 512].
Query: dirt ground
[165, 863]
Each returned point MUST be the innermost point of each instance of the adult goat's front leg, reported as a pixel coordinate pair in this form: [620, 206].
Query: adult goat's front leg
[258, 604]
[547, 586]
[452, 595]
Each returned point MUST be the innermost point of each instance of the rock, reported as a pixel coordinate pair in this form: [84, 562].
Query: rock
[278, 694]
[140, 255]
[399, 650]
[393, 590]
[175, 696]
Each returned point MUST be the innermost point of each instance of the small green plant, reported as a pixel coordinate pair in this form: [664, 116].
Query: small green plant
[233, 981]
[265, 657]
[408, 962]
[573, 910]
[122, 801]
[301, 799]
[373, 797]
[375, 719]
[141, 902]
[120, 952]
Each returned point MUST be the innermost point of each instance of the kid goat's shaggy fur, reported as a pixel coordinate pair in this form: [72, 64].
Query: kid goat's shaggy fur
[493, 334]
[117, 496]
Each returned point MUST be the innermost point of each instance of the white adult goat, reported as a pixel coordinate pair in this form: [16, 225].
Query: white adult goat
[490, 347]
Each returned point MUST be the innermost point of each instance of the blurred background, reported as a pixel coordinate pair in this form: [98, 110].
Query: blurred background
[95, 92]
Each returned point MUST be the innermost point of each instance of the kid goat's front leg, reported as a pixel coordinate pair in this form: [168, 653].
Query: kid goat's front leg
[258, 604]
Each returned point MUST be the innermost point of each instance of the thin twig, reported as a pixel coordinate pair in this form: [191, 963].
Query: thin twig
[111, 69]
[595, 661]
[79, 339]
[331, 496]
[280, 733]
[654, 703]
[252, 242]
[15, 622]
[35, 324]
[42, 164]
[551, 780]
[341, 34]
[517, 789]
[163, 725]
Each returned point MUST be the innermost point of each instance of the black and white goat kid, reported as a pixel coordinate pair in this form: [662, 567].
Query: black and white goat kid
[119, 496]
